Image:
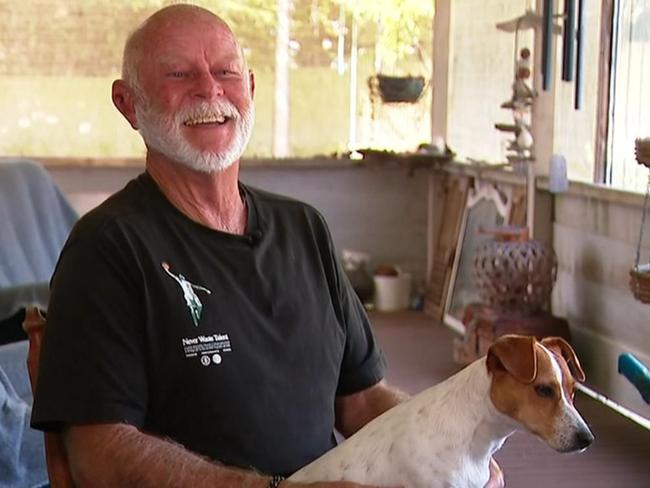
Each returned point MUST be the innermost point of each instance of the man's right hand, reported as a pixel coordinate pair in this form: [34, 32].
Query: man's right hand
[332, 484]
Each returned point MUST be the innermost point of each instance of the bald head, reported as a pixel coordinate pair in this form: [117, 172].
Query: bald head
[154, 27]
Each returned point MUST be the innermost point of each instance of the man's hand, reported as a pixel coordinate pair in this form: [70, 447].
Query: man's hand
[496, 476]
[332, 484]
[496, 481]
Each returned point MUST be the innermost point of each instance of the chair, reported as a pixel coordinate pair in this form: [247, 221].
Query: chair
[58, 469]
[35, 219]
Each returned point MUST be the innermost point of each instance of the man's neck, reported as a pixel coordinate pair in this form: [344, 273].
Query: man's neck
[212, 200]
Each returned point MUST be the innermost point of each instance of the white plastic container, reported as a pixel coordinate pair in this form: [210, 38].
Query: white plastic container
[557, 177]
[392, 293]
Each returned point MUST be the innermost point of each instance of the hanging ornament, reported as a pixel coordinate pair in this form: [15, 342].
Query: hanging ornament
[640, 273]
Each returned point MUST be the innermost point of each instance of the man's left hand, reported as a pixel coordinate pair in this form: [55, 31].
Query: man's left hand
[496, 476]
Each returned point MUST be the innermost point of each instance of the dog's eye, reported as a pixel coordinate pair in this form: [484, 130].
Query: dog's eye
[545, 391]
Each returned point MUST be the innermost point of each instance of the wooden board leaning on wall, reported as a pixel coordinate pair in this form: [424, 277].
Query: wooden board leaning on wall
[450, 193]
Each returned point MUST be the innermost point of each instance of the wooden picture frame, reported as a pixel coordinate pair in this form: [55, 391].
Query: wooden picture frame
[488, 204]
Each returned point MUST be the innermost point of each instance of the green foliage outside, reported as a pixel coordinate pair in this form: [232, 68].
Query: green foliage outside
[403, 26]
[71, 115]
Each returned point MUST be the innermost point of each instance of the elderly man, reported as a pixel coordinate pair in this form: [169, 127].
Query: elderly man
[200, 332]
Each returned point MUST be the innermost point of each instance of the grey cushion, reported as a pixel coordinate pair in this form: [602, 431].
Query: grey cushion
[22, 453]
[36, 220]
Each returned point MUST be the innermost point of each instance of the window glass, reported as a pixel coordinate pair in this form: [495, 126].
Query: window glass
[58, 60]
[630, 117]
[481, 76]
[575, 130]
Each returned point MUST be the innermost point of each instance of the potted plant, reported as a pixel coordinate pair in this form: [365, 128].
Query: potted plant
[399, 28]
[397, 89]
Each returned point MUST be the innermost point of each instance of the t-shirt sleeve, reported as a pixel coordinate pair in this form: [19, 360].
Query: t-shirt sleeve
[363, 362]
[92, 365]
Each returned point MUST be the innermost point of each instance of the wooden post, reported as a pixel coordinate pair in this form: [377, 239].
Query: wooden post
[281, 89]
[440, 63]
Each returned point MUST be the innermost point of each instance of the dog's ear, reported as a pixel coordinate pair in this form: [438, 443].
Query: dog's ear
[514, 354]
[563, 349]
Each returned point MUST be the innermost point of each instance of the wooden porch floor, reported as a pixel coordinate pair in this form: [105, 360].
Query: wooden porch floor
[419, 354]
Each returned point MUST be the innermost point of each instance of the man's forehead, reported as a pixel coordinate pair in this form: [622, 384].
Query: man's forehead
[189, 28]
[167, 57]
[187, 46]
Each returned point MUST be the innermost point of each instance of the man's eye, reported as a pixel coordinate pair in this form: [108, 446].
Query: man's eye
[544, 391]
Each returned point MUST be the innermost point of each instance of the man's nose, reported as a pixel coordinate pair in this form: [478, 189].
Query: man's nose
[207, 86]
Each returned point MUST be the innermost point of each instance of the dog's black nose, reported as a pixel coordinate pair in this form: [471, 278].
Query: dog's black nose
[582, 439]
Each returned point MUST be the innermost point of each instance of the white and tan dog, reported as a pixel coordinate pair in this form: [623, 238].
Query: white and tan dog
[446, 435]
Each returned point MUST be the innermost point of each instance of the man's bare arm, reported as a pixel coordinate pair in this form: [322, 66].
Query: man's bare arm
[356, 410]
[108, 455]
[121, 455]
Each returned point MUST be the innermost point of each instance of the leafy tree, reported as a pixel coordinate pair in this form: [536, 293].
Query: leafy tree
[395, 28]
[404, 26]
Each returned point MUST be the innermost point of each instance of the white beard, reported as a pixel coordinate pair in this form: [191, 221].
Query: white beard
[162, 133]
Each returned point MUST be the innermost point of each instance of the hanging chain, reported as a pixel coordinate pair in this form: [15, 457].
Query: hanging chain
[643, 215]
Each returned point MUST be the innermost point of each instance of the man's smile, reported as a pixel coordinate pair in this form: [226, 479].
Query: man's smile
[207, 120]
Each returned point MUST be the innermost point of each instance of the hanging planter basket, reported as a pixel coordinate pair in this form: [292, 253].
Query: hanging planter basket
[397, 89]
[640, 273]
[640, 285]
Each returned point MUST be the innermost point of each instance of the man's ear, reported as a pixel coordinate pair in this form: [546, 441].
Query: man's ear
[251, 83]
[124, 100]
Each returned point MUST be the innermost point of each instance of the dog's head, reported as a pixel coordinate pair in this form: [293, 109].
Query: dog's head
[533, 383]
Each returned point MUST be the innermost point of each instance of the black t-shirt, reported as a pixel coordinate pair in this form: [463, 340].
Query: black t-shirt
[234, 346]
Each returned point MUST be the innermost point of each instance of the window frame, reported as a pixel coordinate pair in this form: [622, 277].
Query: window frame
[603, 160]
[602, 144]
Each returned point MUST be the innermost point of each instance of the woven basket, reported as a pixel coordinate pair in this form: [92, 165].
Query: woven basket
[640, 285]
[515, 276]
